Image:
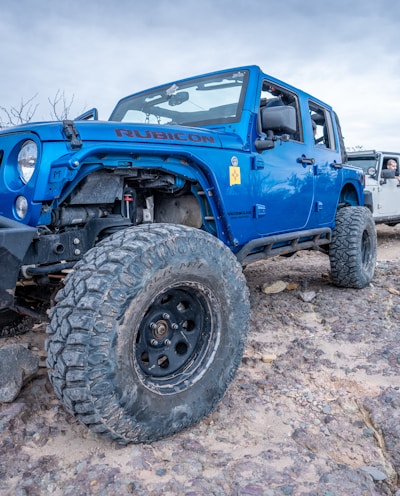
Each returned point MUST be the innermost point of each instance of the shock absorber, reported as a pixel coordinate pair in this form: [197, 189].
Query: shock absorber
[129, 210]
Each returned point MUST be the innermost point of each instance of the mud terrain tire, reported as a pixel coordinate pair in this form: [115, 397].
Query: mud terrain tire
[148, 332]
[353, 249]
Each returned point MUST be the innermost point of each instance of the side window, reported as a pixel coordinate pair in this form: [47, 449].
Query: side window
[288, 116]
[391, 164]
[321, 121]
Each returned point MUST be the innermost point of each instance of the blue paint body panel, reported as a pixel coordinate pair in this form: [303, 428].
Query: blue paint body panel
[249, 184]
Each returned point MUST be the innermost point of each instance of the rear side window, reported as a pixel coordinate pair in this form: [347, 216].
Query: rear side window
[321, 121]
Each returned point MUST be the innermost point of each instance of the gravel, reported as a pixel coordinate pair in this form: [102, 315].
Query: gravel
[314, 409]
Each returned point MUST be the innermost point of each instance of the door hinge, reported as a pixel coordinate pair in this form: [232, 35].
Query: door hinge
[257, 163]
[319, 205]
[259, 210]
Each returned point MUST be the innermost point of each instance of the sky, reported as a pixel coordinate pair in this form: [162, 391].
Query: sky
[94, 52]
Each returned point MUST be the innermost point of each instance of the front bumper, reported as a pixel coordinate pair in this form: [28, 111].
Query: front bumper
[15, 239]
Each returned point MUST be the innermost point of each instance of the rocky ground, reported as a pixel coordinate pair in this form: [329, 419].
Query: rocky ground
[314, 410]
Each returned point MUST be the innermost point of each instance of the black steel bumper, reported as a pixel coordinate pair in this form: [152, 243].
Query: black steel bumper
[15, 239]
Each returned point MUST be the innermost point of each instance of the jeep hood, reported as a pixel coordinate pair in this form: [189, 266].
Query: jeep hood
[109, 131]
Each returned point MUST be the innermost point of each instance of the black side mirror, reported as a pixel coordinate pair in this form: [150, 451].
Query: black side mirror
[387, 174]
[280, 119]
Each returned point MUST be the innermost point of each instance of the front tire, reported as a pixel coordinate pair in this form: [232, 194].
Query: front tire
[148, 332]
[352, 252]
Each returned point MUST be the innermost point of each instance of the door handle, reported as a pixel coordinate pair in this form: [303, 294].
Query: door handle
[305, 160]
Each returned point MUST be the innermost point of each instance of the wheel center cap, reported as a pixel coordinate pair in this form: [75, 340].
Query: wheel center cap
[160, 329]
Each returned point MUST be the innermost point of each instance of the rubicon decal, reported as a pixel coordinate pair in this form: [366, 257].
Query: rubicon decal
[164, 135]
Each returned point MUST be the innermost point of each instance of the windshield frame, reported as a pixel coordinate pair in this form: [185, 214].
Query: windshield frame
[176, 103]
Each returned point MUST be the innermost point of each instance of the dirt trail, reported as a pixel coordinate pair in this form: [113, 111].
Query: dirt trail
[314, 410]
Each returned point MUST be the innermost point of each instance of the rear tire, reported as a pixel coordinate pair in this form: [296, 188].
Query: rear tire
[352, 252]
[148, 332]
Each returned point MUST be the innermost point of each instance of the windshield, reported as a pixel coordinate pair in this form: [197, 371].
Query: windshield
[215, 99]
[364, 163]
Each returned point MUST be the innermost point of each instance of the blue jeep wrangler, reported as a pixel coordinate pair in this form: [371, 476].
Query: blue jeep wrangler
[138, 228]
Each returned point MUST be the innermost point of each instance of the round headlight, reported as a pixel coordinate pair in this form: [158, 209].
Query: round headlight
[27, 158]
[21, 206]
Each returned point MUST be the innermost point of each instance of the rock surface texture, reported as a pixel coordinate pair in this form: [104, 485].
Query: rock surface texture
[17, 366]
[314, 409]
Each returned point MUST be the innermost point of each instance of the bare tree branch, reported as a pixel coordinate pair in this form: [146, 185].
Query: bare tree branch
[20, 114]
[357, 148]
[61, 108]
[25, 111]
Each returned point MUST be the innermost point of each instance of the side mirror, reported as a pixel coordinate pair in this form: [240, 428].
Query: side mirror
[281, 119]
[387, 174]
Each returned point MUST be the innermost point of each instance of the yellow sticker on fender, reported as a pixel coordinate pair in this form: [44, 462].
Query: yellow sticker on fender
[234, 175]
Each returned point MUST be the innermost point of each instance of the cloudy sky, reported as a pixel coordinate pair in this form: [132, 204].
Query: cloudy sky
[345, 52]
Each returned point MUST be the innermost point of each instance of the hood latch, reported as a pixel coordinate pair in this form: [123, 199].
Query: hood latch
[71, 133]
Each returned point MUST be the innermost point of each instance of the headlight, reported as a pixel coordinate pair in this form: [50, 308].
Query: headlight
[27, 158]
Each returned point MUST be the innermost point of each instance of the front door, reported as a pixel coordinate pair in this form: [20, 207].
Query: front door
[284, 182]
[387, 201]
[283, 179]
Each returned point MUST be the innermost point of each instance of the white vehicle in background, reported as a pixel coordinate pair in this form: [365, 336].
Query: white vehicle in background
[381, 183]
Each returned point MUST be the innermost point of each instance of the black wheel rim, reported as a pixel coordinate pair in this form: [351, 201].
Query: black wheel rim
[175, 338]
[366, 249]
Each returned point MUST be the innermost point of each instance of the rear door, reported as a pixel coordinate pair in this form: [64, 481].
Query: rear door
[327, 162]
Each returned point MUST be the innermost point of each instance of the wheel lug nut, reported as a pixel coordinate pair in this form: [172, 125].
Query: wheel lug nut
[153, 325]
[167, 342]
[154, 342]
[174, 327]
[165, 315]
